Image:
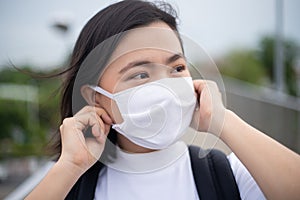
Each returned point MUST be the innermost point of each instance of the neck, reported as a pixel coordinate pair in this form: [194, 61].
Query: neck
[130, 147]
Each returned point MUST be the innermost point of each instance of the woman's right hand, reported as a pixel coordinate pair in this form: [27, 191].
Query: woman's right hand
[210, 113]
[78, 151]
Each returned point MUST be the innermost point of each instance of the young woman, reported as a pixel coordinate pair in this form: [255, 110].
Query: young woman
[143, 65]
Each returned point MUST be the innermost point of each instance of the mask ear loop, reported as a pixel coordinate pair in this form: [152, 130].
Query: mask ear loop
[101, 91]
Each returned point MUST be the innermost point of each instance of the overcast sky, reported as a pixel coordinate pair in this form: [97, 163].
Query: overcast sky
[26, 35]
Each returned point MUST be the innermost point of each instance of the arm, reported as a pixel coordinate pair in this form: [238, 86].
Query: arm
[78, 153]
[274, 167]
[57, 183]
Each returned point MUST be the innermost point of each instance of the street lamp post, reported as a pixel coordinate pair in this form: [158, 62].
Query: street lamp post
[279, 73]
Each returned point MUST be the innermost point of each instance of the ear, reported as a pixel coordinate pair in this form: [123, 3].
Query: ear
[89, 95]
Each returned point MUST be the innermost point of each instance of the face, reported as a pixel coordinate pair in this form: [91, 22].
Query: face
[136, 66]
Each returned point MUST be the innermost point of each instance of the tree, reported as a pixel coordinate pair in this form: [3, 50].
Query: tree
[18, 135]
[243, 64]
[266, 56]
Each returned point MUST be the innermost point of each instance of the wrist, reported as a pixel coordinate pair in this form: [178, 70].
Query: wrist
[231, 123]
[217, 122]
[69, 168]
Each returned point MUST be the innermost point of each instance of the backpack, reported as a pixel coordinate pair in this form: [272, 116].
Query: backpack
[212, 174]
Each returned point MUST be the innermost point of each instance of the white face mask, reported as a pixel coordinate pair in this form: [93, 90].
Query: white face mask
[155, 114]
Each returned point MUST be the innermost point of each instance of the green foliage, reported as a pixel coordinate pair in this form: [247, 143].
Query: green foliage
[24, 126]
[257, 66]
[290, 52]
[266, 55]
[244, 65]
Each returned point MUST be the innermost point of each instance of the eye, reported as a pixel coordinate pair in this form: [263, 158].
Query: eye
[178, 68]
[140, 76]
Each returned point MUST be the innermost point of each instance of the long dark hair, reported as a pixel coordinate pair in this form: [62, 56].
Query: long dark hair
[112, 20]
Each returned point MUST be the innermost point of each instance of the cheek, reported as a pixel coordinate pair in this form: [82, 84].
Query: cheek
[187, 73]
[116, 115]
[110, 107]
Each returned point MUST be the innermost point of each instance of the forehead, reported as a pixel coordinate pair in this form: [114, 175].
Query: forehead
[155, 36]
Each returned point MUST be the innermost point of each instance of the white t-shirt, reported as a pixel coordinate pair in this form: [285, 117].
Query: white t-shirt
[164, 174]
[247, 186]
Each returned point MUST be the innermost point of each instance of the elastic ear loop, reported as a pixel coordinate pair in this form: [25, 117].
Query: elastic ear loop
[101, 91]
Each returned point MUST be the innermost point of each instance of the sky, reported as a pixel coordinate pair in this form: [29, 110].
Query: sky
[28, 37]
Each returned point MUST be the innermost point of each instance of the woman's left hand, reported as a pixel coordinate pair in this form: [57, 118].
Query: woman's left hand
[210, 111]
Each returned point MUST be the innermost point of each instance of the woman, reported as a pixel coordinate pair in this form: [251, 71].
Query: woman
[129, 68]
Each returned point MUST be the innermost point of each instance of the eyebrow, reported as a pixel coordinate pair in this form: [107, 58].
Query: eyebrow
[169, 60]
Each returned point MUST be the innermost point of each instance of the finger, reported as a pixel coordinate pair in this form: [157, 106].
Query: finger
[97, 111]
[67, 122]
[98, 134]
[104, 127]
[67, 130]
[200, 84]
[206, 86]
[95, 117]
[89, 119]
[100, 112]
[104, 116]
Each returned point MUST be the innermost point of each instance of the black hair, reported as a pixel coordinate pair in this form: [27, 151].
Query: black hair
[112, 20]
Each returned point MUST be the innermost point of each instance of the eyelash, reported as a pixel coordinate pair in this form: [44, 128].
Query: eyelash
[146, 75]
[182, 68]
[139, 74]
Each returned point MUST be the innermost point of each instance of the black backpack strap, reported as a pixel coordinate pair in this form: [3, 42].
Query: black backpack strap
[85, 187]
[213, 175]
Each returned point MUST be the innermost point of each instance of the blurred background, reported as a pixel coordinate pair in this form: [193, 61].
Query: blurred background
[255, 45]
